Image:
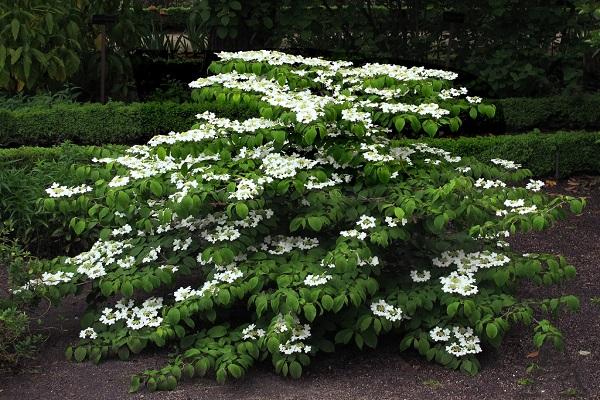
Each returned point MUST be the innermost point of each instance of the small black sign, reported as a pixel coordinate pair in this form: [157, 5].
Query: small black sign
[103, 19]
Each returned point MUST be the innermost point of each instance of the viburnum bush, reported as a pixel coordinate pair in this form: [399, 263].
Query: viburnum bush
[314, 225]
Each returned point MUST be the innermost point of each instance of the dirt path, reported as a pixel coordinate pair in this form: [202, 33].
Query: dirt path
[380, 374]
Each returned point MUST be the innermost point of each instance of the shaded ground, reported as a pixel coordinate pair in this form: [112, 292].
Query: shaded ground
[378, 374]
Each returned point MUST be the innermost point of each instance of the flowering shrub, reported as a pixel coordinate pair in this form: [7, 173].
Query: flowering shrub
[310, 226]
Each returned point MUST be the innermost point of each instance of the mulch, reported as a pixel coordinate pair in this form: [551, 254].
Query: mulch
[374, 374]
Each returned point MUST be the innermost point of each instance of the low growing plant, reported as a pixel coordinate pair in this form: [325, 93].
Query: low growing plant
[306, 229]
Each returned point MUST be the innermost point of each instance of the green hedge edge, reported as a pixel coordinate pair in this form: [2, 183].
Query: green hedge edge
[558, 154]
[119, 123]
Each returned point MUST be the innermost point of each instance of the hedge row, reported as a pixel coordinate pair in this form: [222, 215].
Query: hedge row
[96, 124]
[119, 123]
[557, 154]
[549, 113]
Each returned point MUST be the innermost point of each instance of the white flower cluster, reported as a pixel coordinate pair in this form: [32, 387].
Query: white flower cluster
[535, 186]
[135, 317]
[516, 206]
[335, 179]
[88, 333]
[420, 276]
[316, 280]
[92, 263]
[281, 244]
[382, 309]
[47, 279]
[464, 341]
[118, 181]
[280, 167]
[56, 190]
[393, 222]
[252, 333]
[505, 163]
[446, 94]
[462, 281]
[298, 332]
[366, 222]
[488, 183]
[432, 110]
[463, 284]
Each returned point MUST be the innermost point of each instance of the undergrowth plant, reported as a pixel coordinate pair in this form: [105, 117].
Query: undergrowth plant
[312, 226]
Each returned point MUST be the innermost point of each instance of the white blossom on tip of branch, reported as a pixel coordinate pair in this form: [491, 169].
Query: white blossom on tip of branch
[56, 190]
[316, 280]
[382, 309]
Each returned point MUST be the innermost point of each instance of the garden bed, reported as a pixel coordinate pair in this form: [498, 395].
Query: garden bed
[381, 374]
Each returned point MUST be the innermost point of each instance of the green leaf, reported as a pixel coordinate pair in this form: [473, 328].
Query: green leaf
[452, 309]
[439, 222]
[399, 123]
[80, 353]
[241, 210]
[123, 199]
[173, 316]
[135, 384]
[156, 188]
[15, 24]
[491, 330]
[310, 312]
[79, 227]
[310, 135]
[576, 206]
[344, 336]
[316, 223]
[473, 113]
[327, 302]
[430, 127]
[295, 369]
[235, 370]
[127, 289]
[538, 223]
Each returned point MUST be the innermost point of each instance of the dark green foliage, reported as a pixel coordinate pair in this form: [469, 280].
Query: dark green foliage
[580, 111]
[25, 173]
[89, 124]
[577, 151]
[502, 60]
[16, 342]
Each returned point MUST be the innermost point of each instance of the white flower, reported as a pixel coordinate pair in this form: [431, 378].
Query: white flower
[534, 186]
[514, 203]
[57, 190]
[88, 333]
[250, 332]
[366, 222]
[316, 280]
[420, 276]
[119, 181]
[440, 335]
[382, 309]
[505, 163]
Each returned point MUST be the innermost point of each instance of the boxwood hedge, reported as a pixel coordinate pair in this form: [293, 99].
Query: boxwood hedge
[119, 123]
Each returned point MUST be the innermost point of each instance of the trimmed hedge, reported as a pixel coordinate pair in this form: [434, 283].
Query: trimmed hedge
[119, 123]
[96, 124]
[549, 113]
[558, 154]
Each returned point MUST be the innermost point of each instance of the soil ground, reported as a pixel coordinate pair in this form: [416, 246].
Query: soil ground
[378, 374]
